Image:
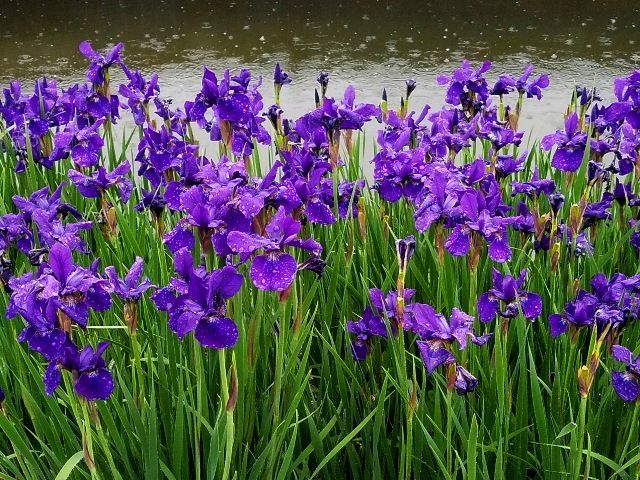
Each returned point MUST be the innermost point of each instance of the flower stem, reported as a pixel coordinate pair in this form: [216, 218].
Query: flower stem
[229, 425]
[576, 460]
[197, 360]
[137, 366]
[87, 442]
[449, 432]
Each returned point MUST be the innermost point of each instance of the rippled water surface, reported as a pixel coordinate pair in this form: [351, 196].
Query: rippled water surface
[370, 44]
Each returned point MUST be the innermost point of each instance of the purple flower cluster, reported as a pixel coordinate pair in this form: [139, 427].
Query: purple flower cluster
[609, 307]
[436, 334]
[391, 312]
[222, 211]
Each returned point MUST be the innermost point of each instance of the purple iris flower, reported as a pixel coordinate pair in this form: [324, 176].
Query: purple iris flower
[100, 63]
[571, 144]
[130, 289]
[480, 221]
[370, 325]
[611, 303]
[629, 148]
[586, 96]
[438, 336]
[75, 289]
[500, 136]
[354, 116]
[99, 182]
[132, 286]
[465, 382]
[467, 86]
[534, 87]
[160, 154]
[627, 90]
[274, 269]
[451, 131]
[15, 231]
[434, 328]
[152, 200]
[399, 174]
[280, 77]
[323, 80]
[507, 83]
[83, 144]
[597, 211]
[348, 195]
[91, 378]
[52, 231]
[44, 332]
[507, 297]
[626, 383]
[40, 200]
[197, 302]
[438, 205]
[387, 306]
[508, 165]
[373, 322]
[139, 92]
[526, 222]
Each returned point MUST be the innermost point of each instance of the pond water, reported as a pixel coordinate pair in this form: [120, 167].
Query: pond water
[372, 44]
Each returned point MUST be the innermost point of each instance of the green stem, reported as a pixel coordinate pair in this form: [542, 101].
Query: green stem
[577, 452]
[137, 366]
[277, 382]
[197, 361]
[87, 442]
[449, 432]
[229, 426]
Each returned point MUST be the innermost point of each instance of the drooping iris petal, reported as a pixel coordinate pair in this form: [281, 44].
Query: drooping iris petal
[47, 343]
[99, 299]
[227, 281]
[319, 212]
[95, 384]
[622, 354]
[434, 357]
[626, 385]
[235, 108]
[359, 350]
[163, 298]
[178, 238]
[242, 242]
[567, 160]
[84, 155]
[217, 332]
[183, 323]
[273, 271]
[557, 325]
[531, 305]
[487, 308]
[459, 242]
[52, 378]
[78, 312]
[499, 249]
